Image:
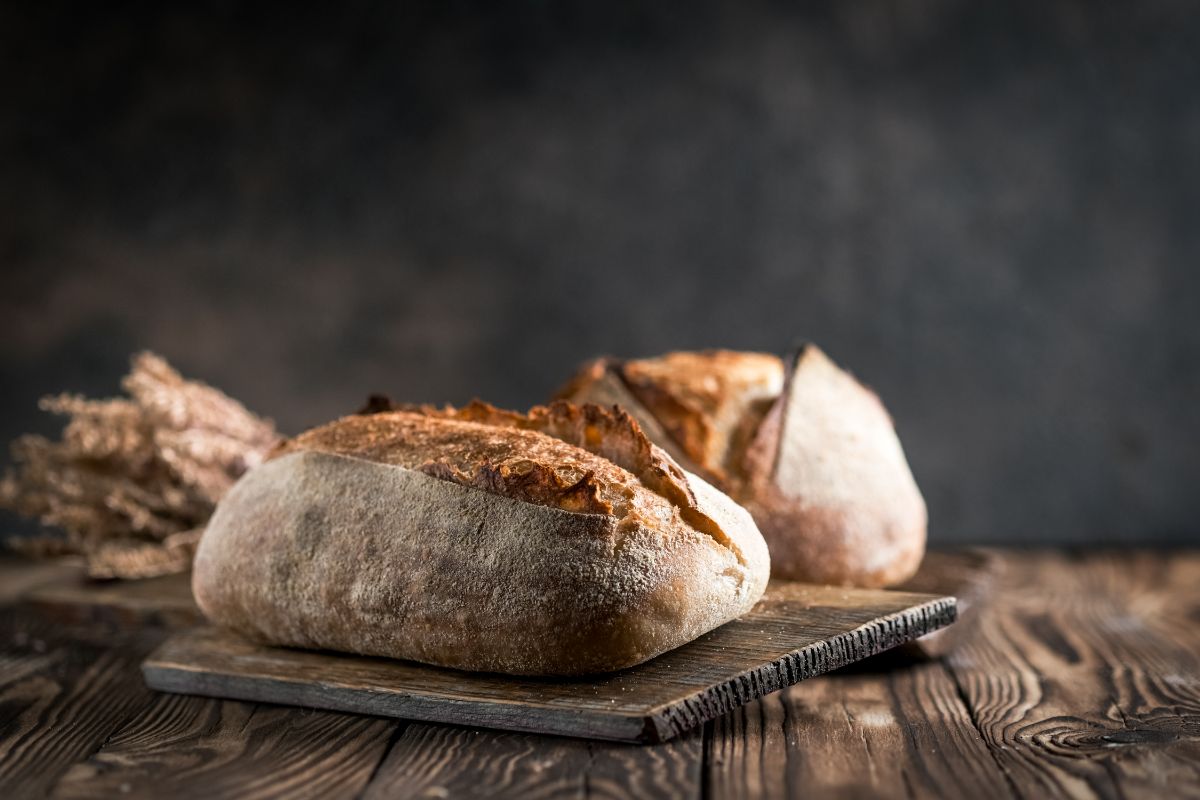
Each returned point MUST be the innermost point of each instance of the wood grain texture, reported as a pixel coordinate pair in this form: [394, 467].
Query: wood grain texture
[186, 747]
[61, 696]
[1083, 681]
[1087, 682]
[902, 731]
[444, 761]
[795, 632]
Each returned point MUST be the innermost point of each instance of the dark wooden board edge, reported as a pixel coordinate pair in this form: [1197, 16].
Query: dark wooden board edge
[872, 638]
[972, 576]
[657, 724]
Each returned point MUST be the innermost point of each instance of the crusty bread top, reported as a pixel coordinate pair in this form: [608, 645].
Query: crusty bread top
[583, 459]
[711, 401]
[600, 382]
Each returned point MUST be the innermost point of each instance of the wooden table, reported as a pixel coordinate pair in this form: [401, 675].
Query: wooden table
[1083, 681]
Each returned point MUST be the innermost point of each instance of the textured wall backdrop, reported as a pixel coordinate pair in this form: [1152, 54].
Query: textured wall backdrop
[989, 211]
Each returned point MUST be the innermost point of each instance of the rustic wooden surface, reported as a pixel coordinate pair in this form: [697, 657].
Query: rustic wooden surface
[1083, 680]
[75, 599]
[795, 632]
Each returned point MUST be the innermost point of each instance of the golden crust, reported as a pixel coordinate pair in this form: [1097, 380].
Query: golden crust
[599, 382]
[539, 484]
[493, 455]
[617, 438]
[709, 401]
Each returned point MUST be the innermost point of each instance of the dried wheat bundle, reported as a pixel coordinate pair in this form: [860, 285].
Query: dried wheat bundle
[133, 480]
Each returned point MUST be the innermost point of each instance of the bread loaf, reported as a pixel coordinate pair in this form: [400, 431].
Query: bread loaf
[561, 542]
[809, 451]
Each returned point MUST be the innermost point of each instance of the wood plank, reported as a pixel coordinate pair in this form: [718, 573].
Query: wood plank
[60, 698]
[20, 574]
[446, 761]
[668, 769]
[188, 747]
[899, 731]
[968, 575]
[165, 601]
[796, 632]
[746, 754]
[1086, 681]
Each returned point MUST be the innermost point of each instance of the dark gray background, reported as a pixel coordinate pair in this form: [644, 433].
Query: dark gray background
[989, 211]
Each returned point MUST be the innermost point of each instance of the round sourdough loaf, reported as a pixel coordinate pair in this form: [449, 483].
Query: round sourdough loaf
[555, 543]
[810, 451]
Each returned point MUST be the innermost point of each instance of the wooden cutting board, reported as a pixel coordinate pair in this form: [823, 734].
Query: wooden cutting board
[796, 631]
